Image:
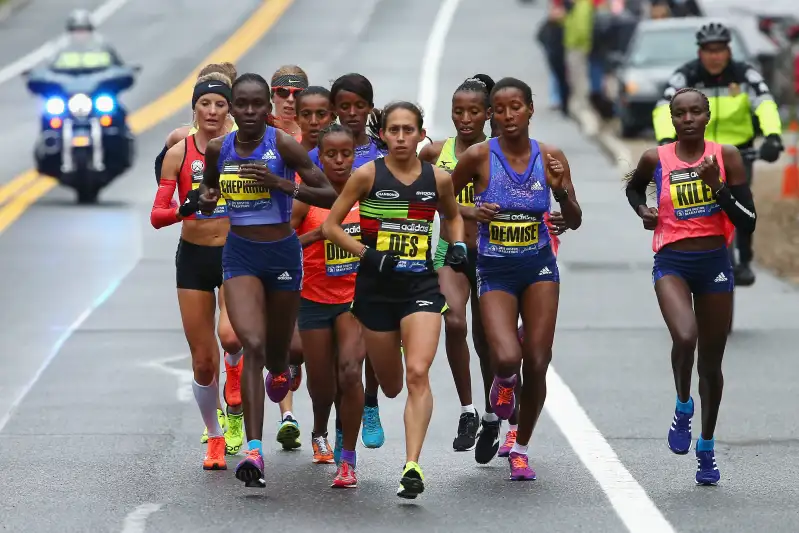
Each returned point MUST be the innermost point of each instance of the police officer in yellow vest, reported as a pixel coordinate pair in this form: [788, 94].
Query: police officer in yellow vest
[736, 92]
[84, 50]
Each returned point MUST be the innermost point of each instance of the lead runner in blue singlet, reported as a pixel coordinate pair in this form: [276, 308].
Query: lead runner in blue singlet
[253, 169]
[513, 177]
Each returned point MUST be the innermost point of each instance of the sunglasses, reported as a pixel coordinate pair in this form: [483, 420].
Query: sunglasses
[285, 92]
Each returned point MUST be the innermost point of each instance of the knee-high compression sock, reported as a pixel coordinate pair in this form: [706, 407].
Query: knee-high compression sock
[207, 397]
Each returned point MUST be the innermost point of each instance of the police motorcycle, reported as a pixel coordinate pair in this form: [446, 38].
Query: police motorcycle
[85, 141]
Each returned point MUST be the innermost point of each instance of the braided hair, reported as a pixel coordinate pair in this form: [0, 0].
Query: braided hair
[479, 83]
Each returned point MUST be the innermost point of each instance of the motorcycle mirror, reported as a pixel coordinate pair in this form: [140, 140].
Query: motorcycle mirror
[136, 68]
[26, 72]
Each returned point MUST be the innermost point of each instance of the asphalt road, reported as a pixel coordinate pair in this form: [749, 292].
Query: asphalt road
[108, 437]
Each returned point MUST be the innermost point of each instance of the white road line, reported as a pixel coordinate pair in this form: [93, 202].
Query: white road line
[184, 377]
[12, 70]
[431, 61]
[136, 521]
[61, 341]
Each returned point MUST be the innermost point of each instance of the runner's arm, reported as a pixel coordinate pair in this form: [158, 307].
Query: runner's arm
[569, 207]
[734, 196]
[298, 213]
[448, 205]
[315, 188]
[431, 152]
[163, 214]
[640, 178]
[468, 167]
[357, 188]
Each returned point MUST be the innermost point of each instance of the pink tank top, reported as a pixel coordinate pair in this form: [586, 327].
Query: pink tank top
[686, 207]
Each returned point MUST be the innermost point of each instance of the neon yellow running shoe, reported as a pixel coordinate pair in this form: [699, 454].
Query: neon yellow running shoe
[288, 435]
[234, 436]
[220, 415]
[412, 482]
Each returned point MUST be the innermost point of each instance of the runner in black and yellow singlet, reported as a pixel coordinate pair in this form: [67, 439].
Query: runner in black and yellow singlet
[470, 112]
[396, 284]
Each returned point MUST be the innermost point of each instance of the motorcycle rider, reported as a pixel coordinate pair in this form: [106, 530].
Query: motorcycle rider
[736, 91]
[84, 49]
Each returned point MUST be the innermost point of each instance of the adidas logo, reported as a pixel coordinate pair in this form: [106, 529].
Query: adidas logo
[269, 155]
[721, 278]
[537, 186]
[285, 276]
[545, 271]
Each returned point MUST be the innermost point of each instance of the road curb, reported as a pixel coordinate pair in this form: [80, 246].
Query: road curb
[11, 7]
[605, 139]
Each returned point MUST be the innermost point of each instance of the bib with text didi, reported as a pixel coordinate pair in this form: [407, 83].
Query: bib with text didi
[197, 167]
[690, 195]
[410, 239]
[242, 194]
[513, 233]
[338, 261]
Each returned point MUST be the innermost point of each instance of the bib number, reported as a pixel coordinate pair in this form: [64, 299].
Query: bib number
[339, 262]
[690, 196]
[466, 196]
[514, 233]
[410, 239]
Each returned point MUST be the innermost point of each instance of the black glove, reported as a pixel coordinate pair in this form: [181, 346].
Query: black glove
[383, 262]
[456, 257]
[665, 141]
[771, 148]
[191, 205]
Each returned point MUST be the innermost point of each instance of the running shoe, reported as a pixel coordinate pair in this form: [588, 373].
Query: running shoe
[412, 482]
[232, 390]
[345, 477]
[220, 415]
[503, 397]
[289, 433]
[234, 436]
[372, 432]
[322, 454]
[510, 440]
[487, 441]
[468, 424]
[339, 446]
[251, 470]
[680, 432]
[707, 472]
[520, 469]
[296, 377]
[215, 454]
[277, 387]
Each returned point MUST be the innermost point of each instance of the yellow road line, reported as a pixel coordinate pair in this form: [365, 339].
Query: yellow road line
[233, 49]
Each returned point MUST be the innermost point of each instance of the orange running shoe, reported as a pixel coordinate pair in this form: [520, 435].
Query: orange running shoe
[296, 377]
[510, 440]
[215, 454]
[345, 477]
[232, 391]
[322, 454]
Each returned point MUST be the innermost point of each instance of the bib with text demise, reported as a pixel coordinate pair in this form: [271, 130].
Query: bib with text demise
[242, 194]
[410, 239]
[197, 167]
[339, 262]
[690, 195]
[513, 233]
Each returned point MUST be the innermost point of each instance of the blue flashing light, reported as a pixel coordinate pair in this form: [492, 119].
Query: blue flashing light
[104, 104]
[55, 105]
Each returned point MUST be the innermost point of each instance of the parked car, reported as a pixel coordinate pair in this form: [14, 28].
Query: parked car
[657, 49]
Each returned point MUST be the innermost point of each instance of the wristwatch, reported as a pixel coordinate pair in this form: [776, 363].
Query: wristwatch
[560, 195]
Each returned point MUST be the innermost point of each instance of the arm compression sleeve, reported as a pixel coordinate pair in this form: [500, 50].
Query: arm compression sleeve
[164, 213]
[737, 202]
[159, 163]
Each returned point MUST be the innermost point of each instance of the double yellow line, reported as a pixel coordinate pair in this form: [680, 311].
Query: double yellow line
[22, 191]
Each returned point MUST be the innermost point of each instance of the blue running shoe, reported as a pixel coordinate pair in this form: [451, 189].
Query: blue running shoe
[372, 432]
[707, 473]
[680, 432]
[338, 446]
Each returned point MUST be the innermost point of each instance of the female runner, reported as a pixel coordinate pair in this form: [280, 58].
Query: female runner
[516, 268]
[396, 288]
[352, 96]
[470, 112]
[262, 260]
[327, 327]
[702, 193]
[199, 269]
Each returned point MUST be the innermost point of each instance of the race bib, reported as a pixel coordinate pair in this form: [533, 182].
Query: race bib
[513, 233]
[197, 168]
[466, 196]
[410, 239]
[339, 262]
[242, 194]
[690, 196]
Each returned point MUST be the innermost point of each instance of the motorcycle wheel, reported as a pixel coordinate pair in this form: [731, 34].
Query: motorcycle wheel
[87, 191]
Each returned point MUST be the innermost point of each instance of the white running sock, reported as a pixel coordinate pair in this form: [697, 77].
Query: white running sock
[206, 397]
[287, 414]
[467, 409]
[518, 448]
[490, 417]
[234, 358]
[513, 427]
